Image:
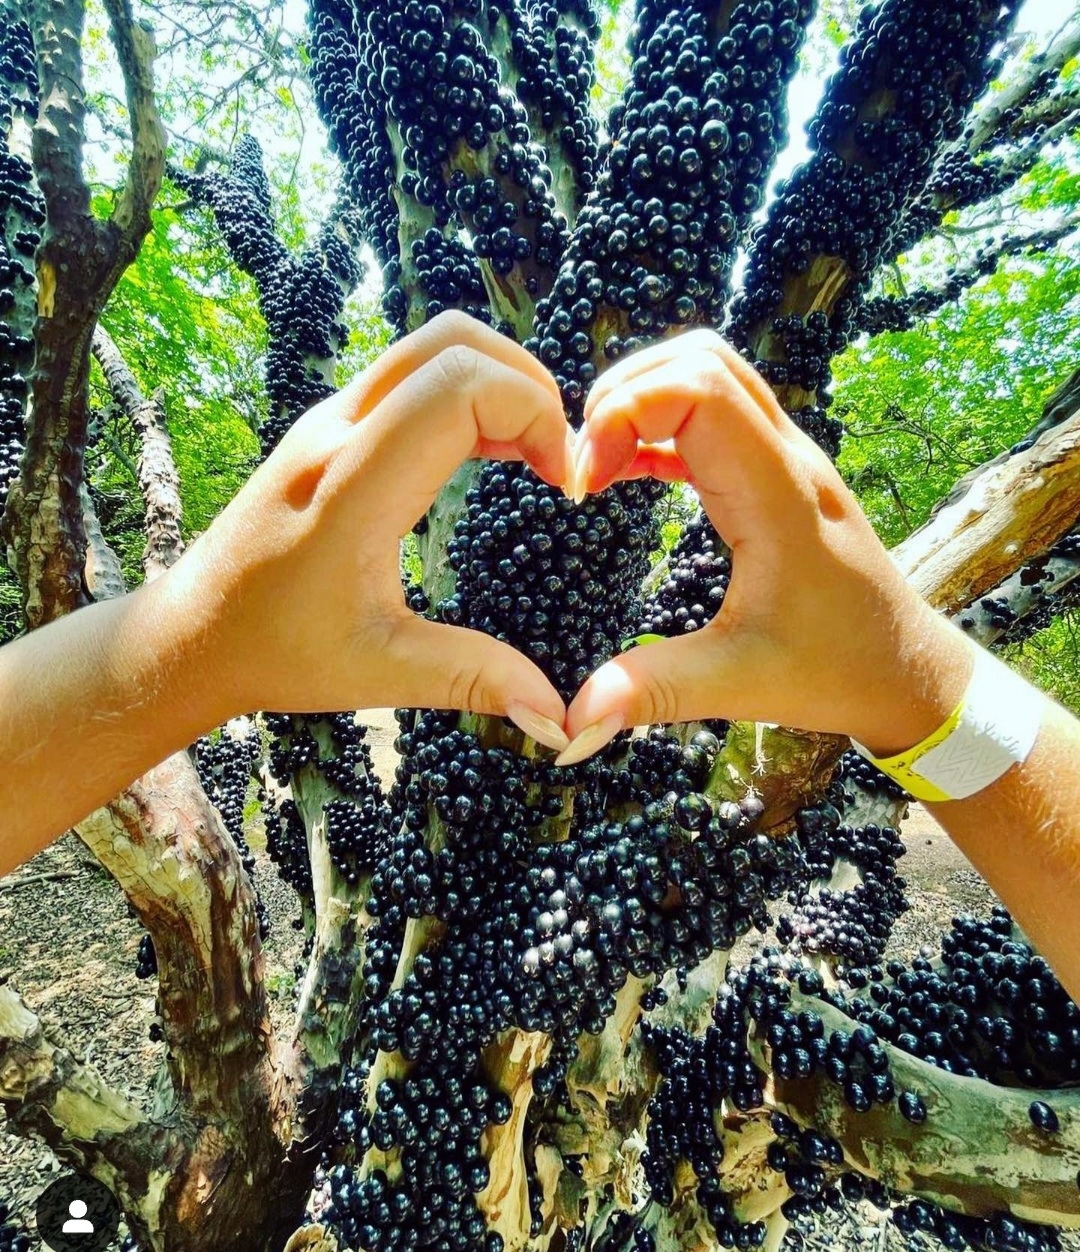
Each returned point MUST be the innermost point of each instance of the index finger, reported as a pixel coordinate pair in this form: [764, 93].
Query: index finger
[679, 347]
[460, 404]
[416, 350]
[735, 457]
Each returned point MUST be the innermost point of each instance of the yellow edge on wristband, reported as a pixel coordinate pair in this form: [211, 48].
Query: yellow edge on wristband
[902, 766]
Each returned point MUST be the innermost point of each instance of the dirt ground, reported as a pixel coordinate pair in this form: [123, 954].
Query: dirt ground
[68, 946]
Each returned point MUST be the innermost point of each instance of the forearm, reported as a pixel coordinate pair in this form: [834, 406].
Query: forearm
[1023, 835]
[92, 701]
[1021, 832]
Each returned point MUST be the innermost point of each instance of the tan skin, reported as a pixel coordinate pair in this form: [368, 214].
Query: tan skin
[291, 600]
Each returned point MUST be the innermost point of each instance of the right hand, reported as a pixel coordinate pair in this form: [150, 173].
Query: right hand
[818, 629]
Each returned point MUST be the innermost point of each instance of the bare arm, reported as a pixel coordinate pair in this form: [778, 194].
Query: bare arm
[292, 599]
[818, 629]
[91, 702]
[1023, 835]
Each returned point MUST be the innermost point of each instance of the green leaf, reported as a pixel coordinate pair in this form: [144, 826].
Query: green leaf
[639, 641]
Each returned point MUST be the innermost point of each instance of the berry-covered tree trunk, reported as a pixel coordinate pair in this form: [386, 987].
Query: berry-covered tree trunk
[522, 1025]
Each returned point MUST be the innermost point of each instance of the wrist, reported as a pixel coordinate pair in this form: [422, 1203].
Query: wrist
[919, 688]
[184, 630]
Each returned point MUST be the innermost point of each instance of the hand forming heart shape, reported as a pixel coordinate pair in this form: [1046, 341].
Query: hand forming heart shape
[818, 629]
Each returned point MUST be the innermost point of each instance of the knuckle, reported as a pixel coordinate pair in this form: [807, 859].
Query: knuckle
[702, 339]
[468, 691]
[454, 326]
[659, 698]
[459, 366]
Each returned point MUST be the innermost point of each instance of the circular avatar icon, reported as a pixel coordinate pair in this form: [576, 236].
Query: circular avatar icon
[77, 1213]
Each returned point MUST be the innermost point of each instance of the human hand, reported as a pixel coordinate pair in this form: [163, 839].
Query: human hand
[818, 629]
[299, 575]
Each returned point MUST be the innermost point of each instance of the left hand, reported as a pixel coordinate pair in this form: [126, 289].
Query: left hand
[299, 574]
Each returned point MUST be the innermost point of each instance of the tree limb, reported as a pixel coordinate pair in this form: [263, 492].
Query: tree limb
[1009, 514]
[135, 48]
[80, 260]
[157, 474]
[978, 1152]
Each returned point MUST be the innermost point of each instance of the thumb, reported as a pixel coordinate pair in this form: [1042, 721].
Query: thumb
[433, 666]
[679, 680]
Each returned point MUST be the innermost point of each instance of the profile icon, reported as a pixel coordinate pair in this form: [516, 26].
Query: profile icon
[76, 1213]
[77, 1223]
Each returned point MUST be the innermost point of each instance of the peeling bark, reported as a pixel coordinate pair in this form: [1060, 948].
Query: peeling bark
[79, 262]
[158, 478]
[1010, 514]
[978, 1152]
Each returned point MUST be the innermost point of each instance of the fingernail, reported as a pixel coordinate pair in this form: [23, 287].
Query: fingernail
[570, 486]
[538, 727]
[581, 470]
[591, 740]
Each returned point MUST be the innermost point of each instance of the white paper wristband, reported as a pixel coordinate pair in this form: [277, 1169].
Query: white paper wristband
[993, 728]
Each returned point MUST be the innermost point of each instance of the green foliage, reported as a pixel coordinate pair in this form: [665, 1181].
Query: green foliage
[185, 321]
[1051, 660]
[923, 407]
[11, 622]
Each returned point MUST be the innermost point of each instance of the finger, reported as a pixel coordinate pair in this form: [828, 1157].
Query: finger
[676, 348]
[421, 347]
[730, 449]
[429, 665]
[645, 359]
[455, 406]
[657, 461]
[680, 680]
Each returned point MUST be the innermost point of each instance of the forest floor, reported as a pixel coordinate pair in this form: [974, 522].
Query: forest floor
[68, 945]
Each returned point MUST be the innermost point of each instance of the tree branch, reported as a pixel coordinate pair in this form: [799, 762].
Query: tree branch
[135, 48]
[80, 260]
[157, 474]
[46, 1092]
[102, 573]
[1004, 108]
[983, 1155]
[891, 313]
[1009, 514]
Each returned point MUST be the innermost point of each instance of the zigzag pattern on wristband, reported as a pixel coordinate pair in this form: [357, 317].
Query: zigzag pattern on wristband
[992, 728]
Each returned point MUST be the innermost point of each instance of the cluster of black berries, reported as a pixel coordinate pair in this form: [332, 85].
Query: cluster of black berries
[424, 108]
[1031, 598]
[300, 297]
[690, 151]
[531, 933]
[445, 275]
[286, 846]
[658, 764]
[553, 579]
[955, 1231]
[21, 215]
[698, 573]
[681, 1125]
[146, 965]
[356, 820]
[988, 1008]
[357, 129]
[869, 165]
[894, 313]
[225, 766]
[808, 1160]
[555, 75]
[697, 1074]
[12, 1238]
[851, 924]
[856, 774]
